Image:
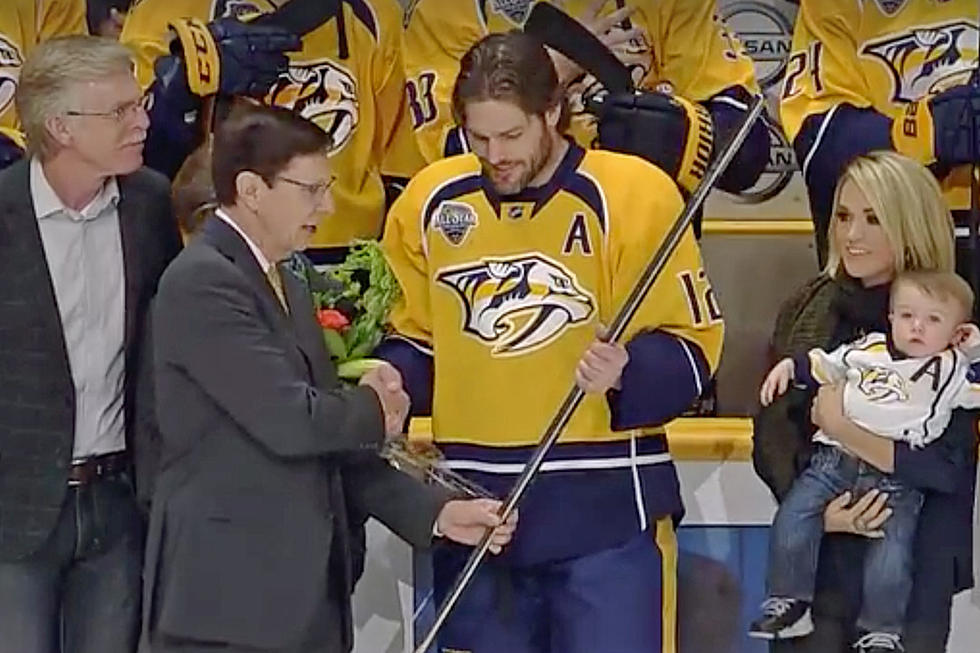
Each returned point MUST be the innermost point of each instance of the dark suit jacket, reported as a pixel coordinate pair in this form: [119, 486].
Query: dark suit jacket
[264, 459]
[37, 395]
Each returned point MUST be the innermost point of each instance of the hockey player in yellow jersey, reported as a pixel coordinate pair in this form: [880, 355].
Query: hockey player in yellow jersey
[511, 259]
[675, 46]
[346, 75]
[883, 74]
[24, 24]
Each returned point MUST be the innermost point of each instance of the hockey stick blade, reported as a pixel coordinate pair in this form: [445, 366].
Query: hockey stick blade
[558, 30]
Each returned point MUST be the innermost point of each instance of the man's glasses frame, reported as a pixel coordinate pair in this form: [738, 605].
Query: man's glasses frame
[316, 190]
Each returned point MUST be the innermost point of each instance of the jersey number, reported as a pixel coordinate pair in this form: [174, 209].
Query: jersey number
[800, 63]
[700, 298]
[421, 100]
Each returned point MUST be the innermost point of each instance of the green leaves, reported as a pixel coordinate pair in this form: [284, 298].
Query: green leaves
[366, 306]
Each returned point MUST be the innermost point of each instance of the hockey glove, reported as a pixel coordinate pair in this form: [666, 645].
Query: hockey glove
[944, 128]
[673, 133]
[232, 58]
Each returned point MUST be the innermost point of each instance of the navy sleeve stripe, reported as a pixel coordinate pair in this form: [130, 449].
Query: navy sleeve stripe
[423, 348]
[694, 366]
[725, 99]
[818, 140]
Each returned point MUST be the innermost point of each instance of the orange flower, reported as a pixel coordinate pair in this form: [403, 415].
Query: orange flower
[333, 319]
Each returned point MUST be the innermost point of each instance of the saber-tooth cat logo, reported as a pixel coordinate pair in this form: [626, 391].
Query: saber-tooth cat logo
[517, 304]
[928, 59]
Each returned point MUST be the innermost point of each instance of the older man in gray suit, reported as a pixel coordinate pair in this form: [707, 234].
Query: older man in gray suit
[265, 457]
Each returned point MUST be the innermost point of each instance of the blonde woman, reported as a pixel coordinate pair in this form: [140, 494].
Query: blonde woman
[888, 217]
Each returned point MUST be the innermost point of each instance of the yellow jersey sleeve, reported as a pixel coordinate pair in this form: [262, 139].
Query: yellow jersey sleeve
[822, 70]
[681, 301]
[396, 137]
[437, 36]
[24, 24]
[696, 52]
[402, 243]
[60, 17]
[147, 33]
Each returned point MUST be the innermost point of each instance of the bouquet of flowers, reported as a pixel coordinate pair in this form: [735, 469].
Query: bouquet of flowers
[353, 306]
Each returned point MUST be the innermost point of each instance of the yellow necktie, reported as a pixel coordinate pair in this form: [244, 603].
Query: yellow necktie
[275, 280]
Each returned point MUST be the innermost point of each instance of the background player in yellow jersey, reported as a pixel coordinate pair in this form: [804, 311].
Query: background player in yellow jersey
[346, 75]
[883, 74]
[510, 259]
[24, 24]
[677, 46]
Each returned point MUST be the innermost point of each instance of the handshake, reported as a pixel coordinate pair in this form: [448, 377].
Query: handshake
[386, 381]
[462, 521]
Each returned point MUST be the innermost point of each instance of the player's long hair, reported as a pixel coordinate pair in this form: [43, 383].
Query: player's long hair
[513, 67]
[909, 205]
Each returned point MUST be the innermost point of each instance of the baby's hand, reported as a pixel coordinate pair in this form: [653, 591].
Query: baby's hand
[778, 380]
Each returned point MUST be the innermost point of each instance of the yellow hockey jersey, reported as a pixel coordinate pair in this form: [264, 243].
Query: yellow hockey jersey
[358, 100]
[879, 54]
[24, 24]
[509, 291]
[683, 47]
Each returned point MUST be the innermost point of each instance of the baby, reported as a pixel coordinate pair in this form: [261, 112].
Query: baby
[901, 387]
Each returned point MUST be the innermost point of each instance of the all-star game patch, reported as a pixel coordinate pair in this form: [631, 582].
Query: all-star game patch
[454, 220]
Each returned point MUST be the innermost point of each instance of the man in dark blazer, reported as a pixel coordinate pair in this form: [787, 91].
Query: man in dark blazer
[85, 234]
[265, 458]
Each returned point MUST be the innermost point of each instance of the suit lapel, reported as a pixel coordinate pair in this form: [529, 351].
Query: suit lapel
[226, 240]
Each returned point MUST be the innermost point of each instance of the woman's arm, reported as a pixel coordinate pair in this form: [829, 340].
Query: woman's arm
[828, 414]
[934, 467]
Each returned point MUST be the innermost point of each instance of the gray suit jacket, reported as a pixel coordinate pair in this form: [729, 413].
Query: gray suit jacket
[264, 459]
[37, 394]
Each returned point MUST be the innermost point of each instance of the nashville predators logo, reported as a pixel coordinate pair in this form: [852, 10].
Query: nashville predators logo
[323, 92]
[927, 60]
[10, 63]
[881, 385]
[518, 304]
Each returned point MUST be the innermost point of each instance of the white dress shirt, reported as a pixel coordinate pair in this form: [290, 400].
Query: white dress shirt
[85, 260]
[263, 262]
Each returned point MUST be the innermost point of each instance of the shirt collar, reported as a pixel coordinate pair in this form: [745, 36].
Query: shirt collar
[47, 203]
[263, 262]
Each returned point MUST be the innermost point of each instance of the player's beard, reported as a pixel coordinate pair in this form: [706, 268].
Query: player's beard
[533, 165]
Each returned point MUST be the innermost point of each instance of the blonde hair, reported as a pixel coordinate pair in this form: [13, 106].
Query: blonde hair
[909, 205]
[940, 285]
[48, 77]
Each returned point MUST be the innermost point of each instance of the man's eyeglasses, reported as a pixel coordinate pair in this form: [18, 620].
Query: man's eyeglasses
[122, 112]
[316, 191]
